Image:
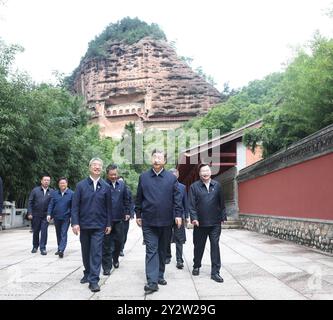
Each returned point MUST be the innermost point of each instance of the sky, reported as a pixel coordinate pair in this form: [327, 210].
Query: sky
[234, 41]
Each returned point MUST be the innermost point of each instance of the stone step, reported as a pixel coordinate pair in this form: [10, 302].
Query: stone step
[232, 224]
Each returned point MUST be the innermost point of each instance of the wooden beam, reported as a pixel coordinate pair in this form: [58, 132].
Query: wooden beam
[224, 154]
[224, 164]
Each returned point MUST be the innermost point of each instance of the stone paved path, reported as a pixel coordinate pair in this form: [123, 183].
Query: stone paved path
[255, 266]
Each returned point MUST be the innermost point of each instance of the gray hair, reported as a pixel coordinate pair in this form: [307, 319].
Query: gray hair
[95, 159]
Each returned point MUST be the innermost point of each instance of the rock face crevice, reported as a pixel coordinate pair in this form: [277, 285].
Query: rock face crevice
[145, 83]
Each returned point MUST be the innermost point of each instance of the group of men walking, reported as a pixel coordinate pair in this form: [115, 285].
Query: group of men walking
[100, 210]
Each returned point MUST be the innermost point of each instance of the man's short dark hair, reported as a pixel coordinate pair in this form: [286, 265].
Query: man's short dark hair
[111, 167]
[45, 175]
[201, 165]
[159, 151]
[62, 178]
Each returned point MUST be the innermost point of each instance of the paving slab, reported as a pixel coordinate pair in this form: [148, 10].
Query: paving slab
[254, 266]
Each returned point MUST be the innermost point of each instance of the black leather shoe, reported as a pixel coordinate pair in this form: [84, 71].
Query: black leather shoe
[34, 250]
[216, 277]
[61, 254]
[121, 254]
[195, 271]
[150, 288]
[43, 252]
[94, 287]
[116, 265]
[84, 280]
[180, 265]
[106, 272]
[167, 260]
[57, 253]
[162, 282]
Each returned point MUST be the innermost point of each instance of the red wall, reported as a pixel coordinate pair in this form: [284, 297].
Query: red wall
[304, 190]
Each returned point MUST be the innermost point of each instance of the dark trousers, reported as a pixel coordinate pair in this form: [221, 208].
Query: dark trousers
[156, 240]
[178, 236]
[200, 235]
[61, 227]
[39, 226]
[112, 244]
[179, 252]
[126, 228]
[91, 247]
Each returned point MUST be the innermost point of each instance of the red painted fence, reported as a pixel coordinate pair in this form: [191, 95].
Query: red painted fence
[304, 190]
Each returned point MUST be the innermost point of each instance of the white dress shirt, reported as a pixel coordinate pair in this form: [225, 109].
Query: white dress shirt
[157, 173]
[207, 184]
[95, 182]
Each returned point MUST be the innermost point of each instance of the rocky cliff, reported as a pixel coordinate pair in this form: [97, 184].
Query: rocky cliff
[145, 83]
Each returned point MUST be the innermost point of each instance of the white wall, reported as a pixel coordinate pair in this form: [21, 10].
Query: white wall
[241, 156]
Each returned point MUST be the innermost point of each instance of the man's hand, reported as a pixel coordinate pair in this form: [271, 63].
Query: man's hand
[179, 222]
[195, 223]
[30, 216]
[76, 229]
[127, 217]
[48, 219]
[139, 222]
[108, 230]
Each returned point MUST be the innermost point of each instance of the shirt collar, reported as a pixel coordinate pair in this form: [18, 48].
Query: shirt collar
[211, 182]
[111, 183]
[63, 192]
[93, 180]
[154, 173]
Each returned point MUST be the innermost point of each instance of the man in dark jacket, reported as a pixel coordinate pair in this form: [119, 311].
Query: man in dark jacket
[112, 243]
[92, 218]
[207, 211]
[126, 222]
[1, 195]
[178, 235]
[59, 210]
[39, 200]
[158, 201]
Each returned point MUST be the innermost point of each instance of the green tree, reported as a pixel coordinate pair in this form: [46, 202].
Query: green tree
[240, 107]
[307, 104]
[43, 128]
[129, 30]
